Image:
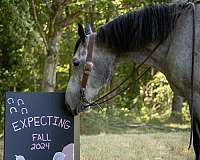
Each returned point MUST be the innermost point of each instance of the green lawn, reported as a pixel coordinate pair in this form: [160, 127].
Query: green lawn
[150, 146]
[136, 144]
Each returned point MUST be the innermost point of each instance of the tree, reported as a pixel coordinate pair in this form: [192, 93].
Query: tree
[51, 22]
[16, 53]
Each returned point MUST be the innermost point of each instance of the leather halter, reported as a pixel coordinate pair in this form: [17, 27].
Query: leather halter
[87, 68]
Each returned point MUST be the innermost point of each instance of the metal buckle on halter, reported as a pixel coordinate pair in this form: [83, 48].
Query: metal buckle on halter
[88, 67]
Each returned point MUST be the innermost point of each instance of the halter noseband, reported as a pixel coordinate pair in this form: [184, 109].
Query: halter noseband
[87, 69]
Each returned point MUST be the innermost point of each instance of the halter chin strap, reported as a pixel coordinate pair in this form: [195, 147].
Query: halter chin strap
[87, 68]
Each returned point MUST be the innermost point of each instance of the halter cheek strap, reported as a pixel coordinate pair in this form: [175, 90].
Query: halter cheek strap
[87, 68]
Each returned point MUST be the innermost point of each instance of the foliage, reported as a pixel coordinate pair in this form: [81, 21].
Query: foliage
[157, 97]
[93, 123]
[19, 44]
[19, 47]
[152, 105]
[22, 56]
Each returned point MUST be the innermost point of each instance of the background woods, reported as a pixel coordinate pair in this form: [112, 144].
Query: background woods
[36, 47]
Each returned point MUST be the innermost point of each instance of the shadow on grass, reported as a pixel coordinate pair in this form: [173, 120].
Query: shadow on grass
[142, 128]
[120, 127]
[93, 123]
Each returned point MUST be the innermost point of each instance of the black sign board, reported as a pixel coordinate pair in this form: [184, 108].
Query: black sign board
[38, 127]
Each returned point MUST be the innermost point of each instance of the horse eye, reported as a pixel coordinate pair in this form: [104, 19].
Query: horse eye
[76, 62]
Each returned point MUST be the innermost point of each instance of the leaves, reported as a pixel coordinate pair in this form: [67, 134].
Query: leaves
[22, 53]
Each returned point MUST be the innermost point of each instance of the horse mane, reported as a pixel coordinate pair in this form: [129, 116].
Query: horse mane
[135, 30]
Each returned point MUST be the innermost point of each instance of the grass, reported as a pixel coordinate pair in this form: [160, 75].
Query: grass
[137, 143]
[153, 146]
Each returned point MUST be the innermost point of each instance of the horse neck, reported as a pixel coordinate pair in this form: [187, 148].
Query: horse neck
[157, 58]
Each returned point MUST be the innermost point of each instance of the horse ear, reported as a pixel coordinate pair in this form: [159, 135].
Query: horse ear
[81, 32]
[88, 30]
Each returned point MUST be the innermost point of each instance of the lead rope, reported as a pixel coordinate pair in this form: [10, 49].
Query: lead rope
[192, 73]
[120, 91]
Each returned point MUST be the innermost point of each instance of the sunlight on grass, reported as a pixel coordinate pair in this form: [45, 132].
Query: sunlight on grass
[156, 146]
[178, 126]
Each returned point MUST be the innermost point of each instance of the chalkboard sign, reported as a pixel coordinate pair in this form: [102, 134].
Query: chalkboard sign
[38, 127]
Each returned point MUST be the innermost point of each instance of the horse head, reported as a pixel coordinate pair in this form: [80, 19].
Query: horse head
[88, 76]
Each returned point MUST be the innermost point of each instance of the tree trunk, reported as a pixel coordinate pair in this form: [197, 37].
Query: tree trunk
[176, 114]
[52, 36]
[49, 75]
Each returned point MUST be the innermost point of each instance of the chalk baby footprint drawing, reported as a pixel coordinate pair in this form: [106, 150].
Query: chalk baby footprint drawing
[19, 157]
[59, 156]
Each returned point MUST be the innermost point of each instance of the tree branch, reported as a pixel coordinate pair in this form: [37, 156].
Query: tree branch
[48, 6]
[42, 34]
[58, 5]
[65, 2]
[69, 18]
[57, 8]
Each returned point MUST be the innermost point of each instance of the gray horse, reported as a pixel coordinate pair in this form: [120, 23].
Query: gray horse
[134, 36]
